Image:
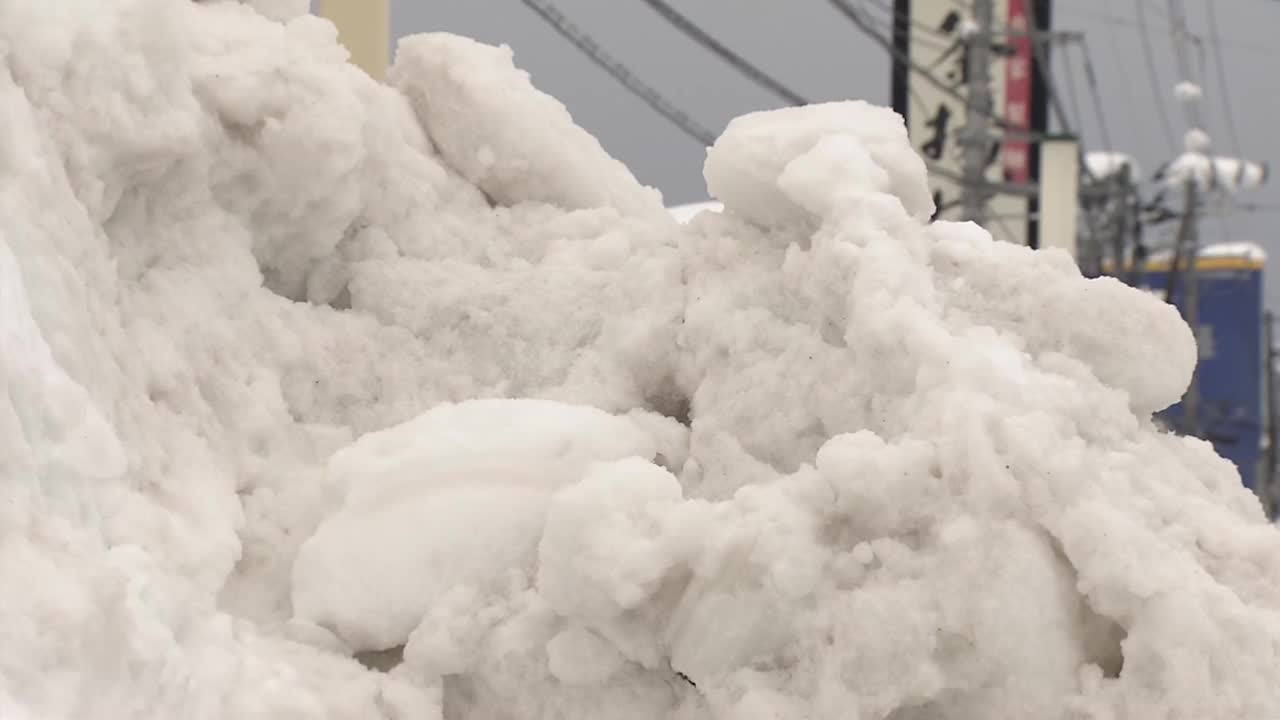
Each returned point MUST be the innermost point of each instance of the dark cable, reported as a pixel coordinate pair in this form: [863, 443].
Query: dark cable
[1222, 81]
[1092, 79]
[1165, 127]
[592, 50]
[739, 63]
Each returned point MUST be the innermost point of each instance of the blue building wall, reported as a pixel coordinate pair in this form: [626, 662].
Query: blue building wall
[1231, 361]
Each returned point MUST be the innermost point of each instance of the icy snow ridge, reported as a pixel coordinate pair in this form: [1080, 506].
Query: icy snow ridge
[298, 368]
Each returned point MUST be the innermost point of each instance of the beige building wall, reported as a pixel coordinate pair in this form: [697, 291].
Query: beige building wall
[364, 27]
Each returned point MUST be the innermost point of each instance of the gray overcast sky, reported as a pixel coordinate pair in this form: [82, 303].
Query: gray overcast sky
[811, 48]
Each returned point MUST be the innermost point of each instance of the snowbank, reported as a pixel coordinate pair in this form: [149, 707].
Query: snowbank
[685, 213]
[462, 491]
[298, 368]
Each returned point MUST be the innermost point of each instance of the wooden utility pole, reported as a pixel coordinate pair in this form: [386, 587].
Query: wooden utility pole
[976, 135]
[1188, 244]
[1267, 477]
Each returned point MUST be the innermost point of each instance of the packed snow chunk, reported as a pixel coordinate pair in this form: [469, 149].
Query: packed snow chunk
[52, 427]
[578, 656]
[1147, 350]
[455, 497]
[512, 141]
[839, 150]
[280, 9]
[611, 539]
[683, 214]
[759, 565]
[885, 490]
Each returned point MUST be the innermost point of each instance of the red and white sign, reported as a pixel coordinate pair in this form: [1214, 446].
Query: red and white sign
[1017, 93]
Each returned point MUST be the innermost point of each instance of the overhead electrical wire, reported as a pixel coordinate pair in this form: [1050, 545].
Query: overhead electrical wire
[567, 30]
[1179, 37]
[854, 16]
[1153, 75]
[1091, 78]
[741, 64]
[1114, 20]
[1072, 90]
[932, 34]
[1125, 80]
[1258, 207]
[1225, 86]
[932, 38]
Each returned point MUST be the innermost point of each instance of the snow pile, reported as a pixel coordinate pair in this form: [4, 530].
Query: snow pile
[685, 213]
[303, 374]
[426, 489]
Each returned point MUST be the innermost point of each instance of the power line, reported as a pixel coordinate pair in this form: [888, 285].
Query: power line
[1178, 38]
[1257, 207]
[1073, 91]
[1092, 79]
[592, 50]
[931, 37]
[1222, 81]
[1113, 20]
[1165, 127]
[1120, 68]
[938, 38]
[739, 63]
[853, 15]
[1043, 67]
[995, 188]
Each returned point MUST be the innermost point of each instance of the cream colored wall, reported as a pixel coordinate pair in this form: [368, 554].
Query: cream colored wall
[364, 27]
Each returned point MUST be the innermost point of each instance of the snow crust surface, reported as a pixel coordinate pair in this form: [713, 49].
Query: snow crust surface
[327, 399]
[687, 212]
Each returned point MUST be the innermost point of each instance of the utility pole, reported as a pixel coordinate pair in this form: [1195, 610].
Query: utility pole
[1267, 478]
[978, 107]
[1189, 242]
[1121, 225]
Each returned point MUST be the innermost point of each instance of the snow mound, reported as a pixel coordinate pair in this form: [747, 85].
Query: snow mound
[685, 213]
[453, 498]
[512, 142]
[814, 156]
[324, 398]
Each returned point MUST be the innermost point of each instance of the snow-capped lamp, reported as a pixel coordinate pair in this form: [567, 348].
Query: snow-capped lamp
[1188, 92]
[1211, 172]
[1196, 140]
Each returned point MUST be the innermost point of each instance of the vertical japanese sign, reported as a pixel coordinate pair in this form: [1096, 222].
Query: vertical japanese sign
[1017, 93]
[931, 33]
